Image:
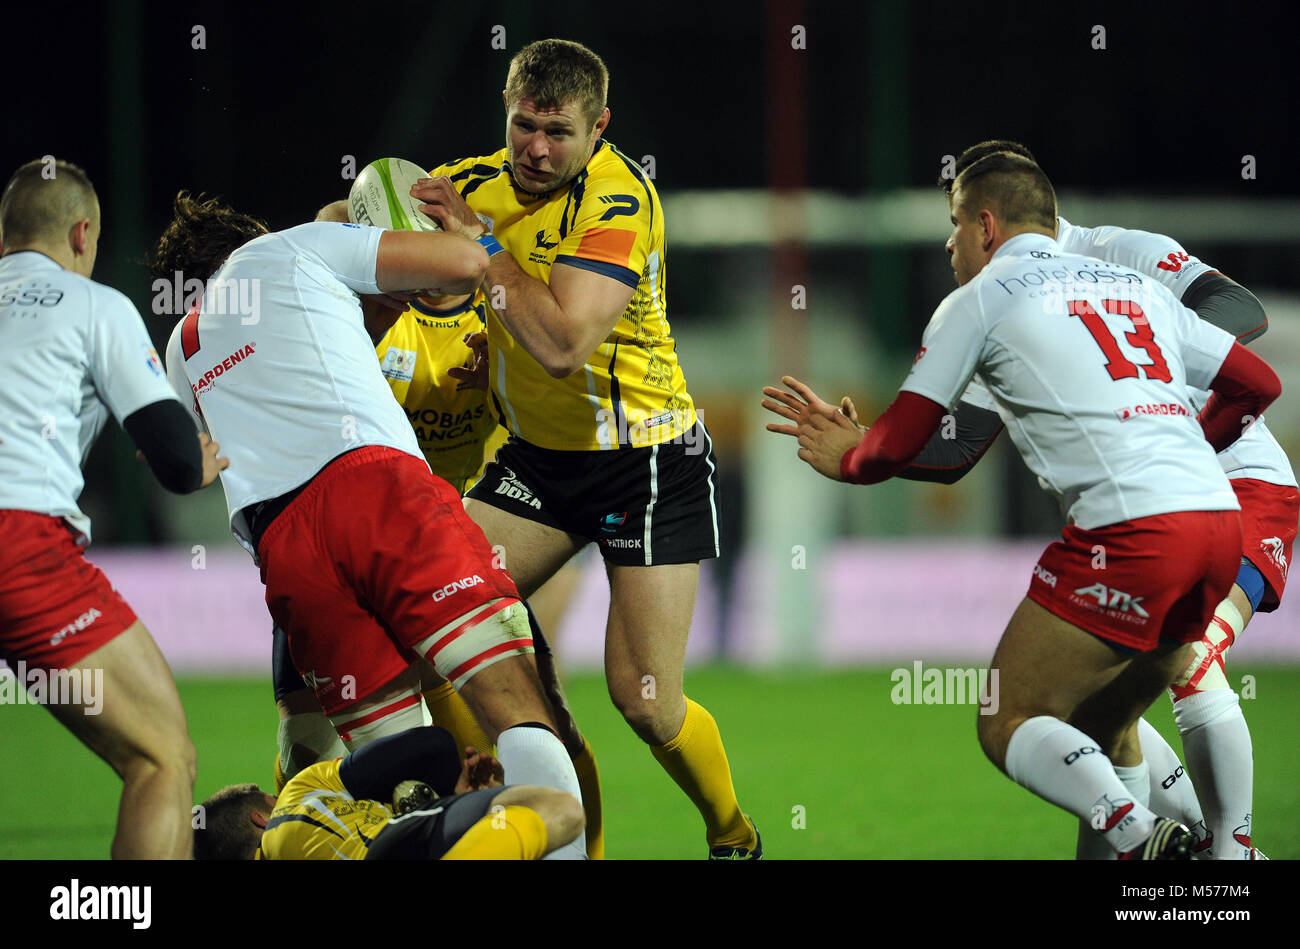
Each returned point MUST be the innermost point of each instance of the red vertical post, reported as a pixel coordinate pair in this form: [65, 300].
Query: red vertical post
[787, 160]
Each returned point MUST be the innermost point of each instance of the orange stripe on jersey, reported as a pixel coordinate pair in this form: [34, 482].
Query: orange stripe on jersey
[608, 244]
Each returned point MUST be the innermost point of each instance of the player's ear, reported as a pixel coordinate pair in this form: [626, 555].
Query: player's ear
[601, 124]
[259, 819]
[988, 229]
[79, 236]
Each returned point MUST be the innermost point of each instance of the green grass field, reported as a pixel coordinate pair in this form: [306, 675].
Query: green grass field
[873, 779]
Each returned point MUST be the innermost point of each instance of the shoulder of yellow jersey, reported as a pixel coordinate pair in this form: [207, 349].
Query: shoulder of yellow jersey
[321, 776]
[619, 186]
[463, 170]
[613, 223]
[610, 164]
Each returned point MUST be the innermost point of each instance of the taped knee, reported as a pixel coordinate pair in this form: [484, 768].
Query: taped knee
[1205, 671]
[468, 645]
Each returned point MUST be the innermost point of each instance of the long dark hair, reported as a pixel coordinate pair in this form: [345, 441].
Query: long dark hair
[201, 235]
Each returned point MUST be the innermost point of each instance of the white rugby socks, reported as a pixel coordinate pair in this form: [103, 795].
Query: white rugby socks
[1220, 759]
[1137, 781]
[1052, 759]
[532, 755]
[1172, 792]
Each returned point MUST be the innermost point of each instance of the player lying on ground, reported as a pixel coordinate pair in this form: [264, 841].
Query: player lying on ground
[368, 558]
[363, 807]
[433, 355]
[607, 447]
[1207, 711]
[1146, 487]
[72, 351]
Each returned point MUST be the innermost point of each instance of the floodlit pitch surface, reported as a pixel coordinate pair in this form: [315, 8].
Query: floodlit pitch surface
[824, 761]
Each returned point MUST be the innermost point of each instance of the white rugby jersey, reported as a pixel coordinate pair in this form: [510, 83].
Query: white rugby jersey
[71, 351]
[1097, 403]
[1256, 454]
[281, 371]
[1153, 254]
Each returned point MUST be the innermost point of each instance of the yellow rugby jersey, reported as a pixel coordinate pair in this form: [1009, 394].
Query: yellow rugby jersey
[453, 422]
[315, 818]
[631, 392]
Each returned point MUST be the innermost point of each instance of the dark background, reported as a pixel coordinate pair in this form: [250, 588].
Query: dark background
[265, 114]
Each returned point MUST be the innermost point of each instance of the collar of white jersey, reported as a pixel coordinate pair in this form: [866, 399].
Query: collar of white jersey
[1023, 244]
[34, 259]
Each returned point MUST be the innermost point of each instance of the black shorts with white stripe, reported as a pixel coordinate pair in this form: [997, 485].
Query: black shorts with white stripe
[643, 507]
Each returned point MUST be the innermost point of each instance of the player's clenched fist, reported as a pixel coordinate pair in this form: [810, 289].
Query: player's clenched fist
[443, 203]
[824, 431]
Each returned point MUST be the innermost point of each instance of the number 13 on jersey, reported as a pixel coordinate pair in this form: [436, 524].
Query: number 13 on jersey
[1116, 364]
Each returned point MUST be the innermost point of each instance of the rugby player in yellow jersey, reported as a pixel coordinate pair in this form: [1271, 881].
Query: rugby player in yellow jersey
[341, 810]
[606, 445]
[423, 353]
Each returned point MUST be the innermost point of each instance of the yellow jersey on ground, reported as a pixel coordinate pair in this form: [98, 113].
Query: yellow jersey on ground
[453, 421]
[315, 818]
[631, 392]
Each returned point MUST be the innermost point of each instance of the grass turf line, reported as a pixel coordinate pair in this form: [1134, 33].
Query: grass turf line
[872, 779]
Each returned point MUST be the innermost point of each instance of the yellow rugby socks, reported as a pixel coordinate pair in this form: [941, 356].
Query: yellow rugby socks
[697, 761]
[449, 711]
[584, 763]
[513, 833]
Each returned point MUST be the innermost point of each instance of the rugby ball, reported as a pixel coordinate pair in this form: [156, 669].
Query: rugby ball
[381, 196]
[412, 796]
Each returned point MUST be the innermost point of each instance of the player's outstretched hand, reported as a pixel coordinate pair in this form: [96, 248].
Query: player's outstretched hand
[443, 203]
[213, 465]
[475, 377]
[824, 432]
[479, 770]
[823, 443]
[800, 407]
